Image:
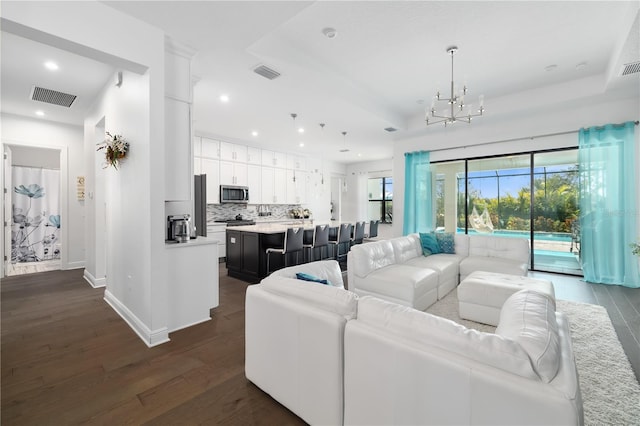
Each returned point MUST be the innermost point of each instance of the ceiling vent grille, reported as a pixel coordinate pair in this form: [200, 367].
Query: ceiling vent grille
[344, 150]
[390, 129]
[266, 72]
[52, 96]
[631, 68]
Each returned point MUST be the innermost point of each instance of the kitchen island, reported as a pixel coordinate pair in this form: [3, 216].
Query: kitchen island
[247, 245]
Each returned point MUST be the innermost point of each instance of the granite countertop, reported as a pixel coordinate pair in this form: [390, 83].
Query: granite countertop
[200, 241]
[276, 228]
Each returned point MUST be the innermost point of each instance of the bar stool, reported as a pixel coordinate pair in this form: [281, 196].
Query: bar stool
[292, 243]
[344, 236]
[358, 234]
[373, 230]
[320, 240]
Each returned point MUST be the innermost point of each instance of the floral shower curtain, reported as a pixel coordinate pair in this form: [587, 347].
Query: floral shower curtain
[35, 229]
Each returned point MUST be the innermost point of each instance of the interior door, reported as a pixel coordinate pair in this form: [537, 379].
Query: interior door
[7, 214]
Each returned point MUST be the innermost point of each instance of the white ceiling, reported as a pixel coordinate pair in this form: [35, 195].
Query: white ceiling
[386, 58]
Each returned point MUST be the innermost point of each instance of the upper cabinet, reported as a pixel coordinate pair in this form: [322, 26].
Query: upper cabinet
[210, 148]
[233, 152]
[274, 159]
[295, 162]
[179, 150]
[254, 155]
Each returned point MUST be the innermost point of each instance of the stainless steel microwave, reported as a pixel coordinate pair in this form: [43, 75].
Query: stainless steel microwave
[234, 194]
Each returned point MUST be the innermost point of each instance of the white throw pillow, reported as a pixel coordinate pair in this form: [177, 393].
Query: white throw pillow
[529, 318]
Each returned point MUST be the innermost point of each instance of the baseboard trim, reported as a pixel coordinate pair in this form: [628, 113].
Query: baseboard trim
[191, 324]
[151, 338]
[93, 281]
[72, 265]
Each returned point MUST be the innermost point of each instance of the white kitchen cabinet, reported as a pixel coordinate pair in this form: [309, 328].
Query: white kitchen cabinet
[295, 162]
[218, 231]
[211, 168]
[233, 152]
[210, 148]
[296, 189]
[254, 182]
[274, 159]
[233, 173]
[274, 185]
[178, 151]
[254, 155]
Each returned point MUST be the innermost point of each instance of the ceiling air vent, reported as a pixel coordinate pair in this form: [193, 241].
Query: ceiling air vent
[266, 72]
[344, 150]
[52, 96]
[390, 129]
[631, 68]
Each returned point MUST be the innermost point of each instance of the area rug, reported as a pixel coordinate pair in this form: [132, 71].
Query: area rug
[610, 390]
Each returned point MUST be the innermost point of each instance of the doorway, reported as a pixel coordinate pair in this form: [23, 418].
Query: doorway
[33, 207]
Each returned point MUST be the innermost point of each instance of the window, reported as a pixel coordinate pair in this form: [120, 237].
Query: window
[532, 195]
[381, 199]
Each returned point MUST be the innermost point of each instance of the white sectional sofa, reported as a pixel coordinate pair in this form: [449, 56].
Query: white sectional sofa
[332, 357]
[396, 269]
[294, 338]
[404, 366]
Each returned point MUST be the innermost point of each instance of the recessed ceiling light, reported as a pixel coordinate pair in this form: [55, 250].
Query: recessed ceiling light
[329, 32]
[50, 65]
[300, 130]
[551, 67]
[301, 144]
[359, 155]
[224, 98]
[254, 133]
[40, 113]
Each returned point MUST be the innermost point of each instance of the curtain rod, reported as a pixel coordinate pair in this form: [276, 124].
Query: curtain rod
[568, 132]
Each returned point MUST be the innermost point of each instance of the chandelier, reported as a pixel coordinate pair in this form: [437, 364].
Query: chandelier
[456, 110]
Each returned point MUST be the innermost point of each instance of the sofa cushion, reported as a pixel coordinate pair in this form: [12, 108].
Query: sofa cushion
[429, 243]
[431, 330]
[528, 317]
[446, 242]
[333, 299]
[402, 282]
[500, 247]
[369, 257]
[323, 269]
[406, 248]
[492, 264]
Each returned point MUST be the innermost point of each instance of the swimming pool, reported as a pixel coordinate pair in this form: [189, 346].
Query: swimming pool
[540, 236]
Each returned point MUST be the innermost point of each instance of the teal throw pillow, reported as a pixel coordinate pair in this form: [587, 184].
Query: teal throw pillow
[429, 244]
[446, 242]
[308, 277]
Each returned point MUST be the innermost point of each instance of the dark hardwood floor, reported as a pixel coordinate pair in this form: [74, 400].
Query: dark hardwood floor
[68, 358]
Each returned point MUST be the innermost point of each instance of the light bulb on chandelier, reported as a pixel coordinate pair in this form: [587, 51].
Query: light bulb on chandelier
[456, 110]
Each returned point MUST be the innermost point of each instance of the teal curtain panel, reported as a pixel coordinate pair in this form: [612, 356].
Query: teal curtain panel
[608, 204]
[418, 211]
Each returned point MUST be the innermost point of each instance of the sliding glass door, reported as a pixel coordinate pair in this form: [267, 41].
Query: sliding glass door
[556, 239]
[531, 196]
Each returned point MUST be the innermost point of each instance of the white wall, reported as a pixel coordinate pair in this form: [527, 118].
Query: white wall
[31, 132]
[475, 139]
[136, 265]
[355, 204]
[28, 156]
[319, 187]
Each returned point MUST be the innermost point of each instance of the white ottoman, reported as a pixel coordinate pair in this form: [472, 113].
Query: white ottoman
[482, 294]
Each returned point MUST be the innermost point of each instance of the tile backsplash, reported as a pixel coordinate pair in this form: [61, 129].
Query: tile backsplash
[248, 211]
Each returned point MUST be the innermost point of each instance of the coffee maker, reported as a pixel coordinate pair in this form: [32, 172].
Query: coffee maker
[179, 228]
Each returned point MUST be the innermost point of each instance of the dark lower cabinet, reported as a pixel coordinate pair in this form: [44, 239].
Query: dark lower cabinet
[245, 255]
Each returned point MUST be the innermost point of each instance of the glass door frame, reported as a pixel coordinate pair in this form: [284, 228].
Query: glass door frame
[531, 155]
